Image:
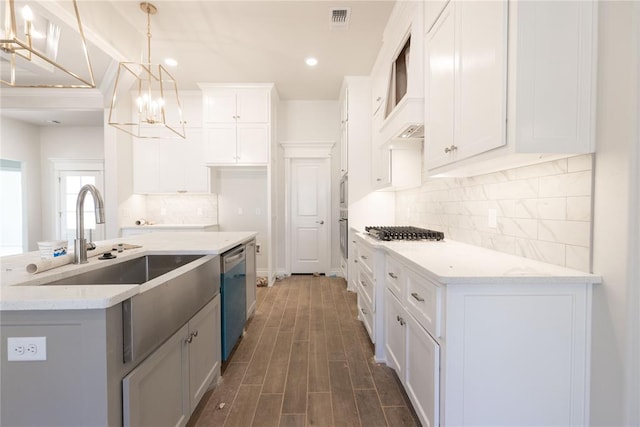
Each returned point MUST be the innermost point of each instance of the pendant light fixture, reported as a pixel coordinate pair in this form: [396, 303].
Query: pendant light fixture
[30, 43]
[146, 94]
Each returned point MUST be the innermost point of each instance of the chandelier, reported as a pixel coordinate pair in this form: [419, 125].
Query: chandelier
[31, 43]
[146, 94]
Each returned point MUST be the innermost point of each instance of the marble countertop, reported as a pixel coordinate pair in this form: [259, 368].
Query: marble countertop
[172, 226]
[20, 290]
[451, 262]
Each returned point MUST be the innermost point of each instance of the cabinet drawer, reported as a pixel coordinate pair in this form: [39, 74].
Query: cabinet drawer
[394, 276]
[424, 301]
[366, 285]
[365, 258]
[365, 313]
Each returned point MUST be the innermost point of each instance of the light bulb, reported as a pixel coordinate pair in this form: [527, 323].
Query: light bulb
[27, 13]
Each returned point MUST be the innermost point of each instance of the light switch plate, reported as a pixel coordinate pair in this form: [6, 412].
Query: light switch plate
[493, 218]
[26, 348]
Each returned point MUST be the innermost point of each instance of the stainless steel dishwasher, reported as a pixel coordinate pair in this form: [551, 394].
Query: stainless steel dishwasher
[233, 289]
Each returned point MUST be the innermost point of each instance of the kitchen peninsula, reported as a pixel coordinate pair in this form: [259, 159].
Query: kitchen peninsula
[92, 369]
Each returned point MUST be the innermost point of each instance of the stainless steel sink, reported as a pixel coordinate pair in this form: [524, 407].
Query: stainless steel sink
[135, 271]
[154, 314]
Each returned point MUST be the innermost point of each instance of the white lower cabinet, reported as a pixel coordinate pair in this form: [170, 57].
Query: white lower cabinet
[487, 351]
[422, 373]
[166, 387]
[395, 336]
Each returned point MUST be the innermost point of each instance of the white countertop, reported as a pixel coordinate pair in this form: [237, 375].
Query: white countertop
[20, 290]
[170, 226]
[451, 262]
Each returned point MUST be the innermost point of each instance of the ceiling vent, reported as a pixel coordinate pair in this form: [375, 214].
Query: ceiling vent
[340, 17]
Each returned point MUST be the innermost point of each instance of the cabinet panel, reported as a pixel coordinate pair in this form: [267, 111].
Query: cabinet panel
[253, 143]
[146, 166]
[252, 106]
[439, 87]
[204, 350]
[366, 314]
[220, 107]
[423, 373]
[155, 393]
[481, 77]
[220, 144]
[432, 9]
[394, 277]
[424, 301]
[395, 331]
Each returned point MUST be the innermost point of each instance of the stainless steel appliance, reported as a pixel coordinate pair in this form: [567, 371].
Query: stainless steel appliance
[344, 193]
[233, 293]
[403, 233]
[344, 233]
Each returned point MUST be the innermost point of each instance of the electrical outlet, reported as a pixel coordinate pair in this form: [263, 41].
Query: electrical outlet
[199, 211]
[493, 218]
[26, 348]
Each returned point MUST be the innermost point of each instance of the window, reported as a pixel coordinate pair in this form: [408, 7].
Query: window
[11, 223]
[69, 184]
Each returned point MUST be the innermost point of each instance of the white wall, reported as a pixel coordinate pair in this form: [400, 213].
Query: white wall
[69, 143]
[615, 371]
[311, 121]
[21, 142]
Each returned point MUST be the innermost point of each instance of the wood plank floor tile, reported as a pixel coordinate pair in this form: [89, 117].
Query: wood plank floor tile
[268, 410]
[387, 385]
[305, 352]
[257, 369]
[295, 394]
[224, 393]
[319, 411]
[342, 400]
[358, 365]
[244, 406]
[318, 362]
[293, 420]
[399, 416]
[369, 408]
[276, 377]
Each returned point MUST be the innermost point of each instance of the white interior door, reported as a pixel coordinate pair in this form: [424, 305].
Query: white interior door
[310, 199]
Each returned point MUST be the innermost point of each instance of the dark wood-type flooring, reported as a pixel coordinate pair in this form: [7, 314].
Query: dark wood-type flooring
[305, 360]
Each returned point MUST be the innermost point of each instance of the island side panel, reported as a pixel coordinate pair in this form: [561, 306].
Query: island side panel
[73, 386]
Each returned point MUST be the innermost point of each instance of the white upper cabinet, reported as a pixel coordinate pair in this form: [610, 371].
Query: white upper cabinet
[170, 165]
[237, 124]
[432, 9]
[508, 84]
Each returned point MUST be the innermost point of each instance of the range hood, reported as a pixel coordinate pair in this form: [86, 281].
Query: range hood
[404, 124]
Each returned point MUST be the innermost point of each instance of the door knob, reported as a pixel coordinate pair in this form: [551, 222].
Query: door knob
[320, 222]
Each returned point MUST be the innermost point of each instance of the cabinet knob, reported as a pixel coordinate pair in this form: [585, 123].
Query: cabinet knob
[363, 311]
[378, 179]
[363, 283]
[392, 275]
[450, 149]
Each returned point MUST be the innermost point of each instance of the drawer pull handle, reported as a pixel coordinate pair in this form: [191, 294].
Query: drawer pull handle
[363, 257]
[392, 275]
[363, 283]
[355, 260]
[401, 320]
[363, 311]
[417, 297]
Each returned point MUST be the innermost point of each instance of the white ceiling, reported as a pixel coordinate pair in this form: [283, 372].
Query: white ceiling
[228, 41]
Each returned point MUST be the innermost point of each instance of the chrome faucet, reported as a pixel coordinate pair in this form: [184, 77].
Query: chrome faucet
[80, 244]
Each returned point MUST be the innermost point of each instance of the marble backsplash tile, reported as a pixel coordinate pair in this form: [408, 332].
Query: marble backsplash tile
[543, 211]
[183, 208]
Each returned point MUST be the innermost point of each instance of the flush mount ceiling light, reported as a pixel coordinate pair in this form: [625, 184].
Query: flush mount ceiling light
[311, 62]
[151, 91]
[30, 44]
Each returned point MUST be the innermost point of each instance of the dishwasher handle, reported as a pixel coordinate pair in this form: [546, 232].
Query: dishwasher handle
[232, 258]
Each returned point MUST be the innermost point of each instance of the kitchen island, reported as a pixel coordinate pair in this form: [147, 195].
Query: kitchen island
[86, 376]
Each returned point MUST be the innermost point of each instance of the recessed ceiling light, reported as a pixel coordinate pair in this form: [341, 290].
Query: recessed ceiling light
[311, 61]
[170, 62]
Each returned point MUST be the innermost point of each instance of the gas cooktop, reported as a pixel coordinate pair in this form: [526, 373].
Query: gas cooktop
[403, 233]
